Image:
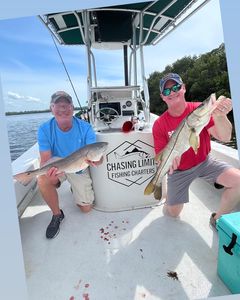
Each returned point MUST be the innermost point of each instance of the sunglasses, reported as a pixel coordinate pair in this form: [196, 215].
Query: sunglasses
[175, 88]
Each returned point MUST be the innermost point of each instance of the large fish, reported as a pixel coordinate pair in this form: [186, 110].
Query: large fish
[70, 164]
[185, 136]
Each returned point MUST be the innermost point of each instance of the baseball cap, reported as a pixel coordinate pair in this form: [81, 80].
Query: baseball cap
[61, 94]
[170, 76]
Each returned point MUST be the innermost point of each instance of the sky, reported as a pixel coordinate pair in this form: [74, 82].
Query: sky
[31, 70]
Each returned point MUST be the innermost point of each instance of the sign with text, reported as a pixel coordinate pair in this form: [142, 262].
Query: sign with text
[131, 163]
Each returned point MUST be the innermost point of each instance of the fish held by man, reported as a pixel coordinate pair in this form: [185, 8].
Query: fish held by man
[73, 163]
[185, 136]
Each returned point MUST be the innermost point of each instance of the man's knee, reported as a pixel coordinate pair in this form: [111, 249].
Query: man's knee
[85, 208]
[173, 210]
[44, 182]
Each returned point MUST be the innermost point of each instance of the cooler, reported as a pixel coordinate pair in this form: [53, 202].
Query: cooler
[229, 251]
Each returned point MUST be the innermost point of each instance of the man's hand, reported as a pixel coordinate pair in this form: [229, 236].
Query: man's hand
[53, 175]
[94, 163]
[175, 164]
[224, 106]
[222, 129]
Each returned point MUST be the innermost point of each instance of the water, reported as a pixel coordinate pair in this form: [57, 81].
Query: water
[22, 131]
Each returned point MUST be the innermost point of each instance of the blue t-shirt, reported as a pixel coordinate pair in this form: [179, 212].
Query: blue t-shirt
[63, 143]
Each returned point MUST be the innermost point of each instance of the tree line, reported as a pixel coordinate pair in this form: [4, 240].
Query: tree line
[11, 113]
[202, 75]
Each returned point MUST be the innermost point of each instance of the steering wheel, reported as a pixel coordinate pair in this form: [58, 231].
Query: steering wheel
[107, 115]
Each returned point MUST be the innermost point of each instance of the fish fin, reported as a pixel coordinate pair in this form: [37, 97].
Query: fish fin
[194, 141]
[149, 189]
[158, 192]
[24, 178]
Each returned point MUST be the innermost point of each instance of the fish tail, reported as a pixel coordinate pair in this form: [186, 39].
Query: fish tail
[158, 192]
[24, 178]
[155, 189]
[149, 189]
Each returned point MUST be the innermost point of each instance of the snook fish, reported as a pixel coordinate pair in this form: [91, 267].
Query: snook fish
[70, 164]
[185, 136]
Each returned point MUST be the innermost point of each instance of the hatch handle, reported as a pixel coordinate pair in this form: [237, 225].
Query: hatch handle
[228, 248]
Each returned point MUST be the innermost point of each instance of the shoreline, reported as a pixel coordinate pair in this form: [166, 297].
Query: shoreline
[11, 113]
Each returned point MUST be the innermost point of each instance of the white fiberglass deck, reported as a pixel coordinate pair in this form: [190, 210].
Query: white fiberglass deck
[123, 255]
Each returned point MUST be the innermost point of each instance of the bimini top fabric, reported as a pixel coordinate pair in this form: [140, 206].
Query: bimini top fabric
[115, 24]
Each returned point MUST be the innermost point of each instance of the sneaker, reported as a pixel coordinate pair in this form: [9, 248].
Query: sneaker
[54, 226]
[212, 221]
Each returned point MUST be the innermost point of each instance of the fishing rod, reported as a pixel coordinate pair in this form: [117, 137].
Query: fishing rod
[82, 112]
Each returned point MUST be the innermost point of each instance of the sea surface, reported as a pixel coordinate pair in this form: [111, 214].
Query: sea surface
[22, 131]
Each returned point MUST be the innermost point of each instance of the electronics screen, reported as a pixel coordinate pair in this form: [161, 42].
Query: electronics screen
[114, 105]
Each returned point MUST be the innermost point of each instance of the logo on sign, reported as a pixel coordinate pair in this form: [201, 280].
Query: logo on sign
[131, 163]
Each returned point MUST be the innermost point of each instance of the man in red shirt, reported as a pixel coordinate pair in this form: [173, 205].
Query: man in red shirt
[192, 165]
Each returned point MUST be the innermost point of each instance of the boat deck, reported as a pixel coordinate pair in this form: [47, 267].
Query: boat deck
[123, 255]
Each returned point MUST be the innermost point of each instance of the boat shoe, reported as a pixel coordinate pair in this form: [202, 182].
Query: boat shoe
[54, 226]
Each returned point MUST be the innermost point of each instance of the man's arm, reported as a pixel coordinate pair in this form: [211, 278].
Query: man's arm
[222, 129]
[44, 157]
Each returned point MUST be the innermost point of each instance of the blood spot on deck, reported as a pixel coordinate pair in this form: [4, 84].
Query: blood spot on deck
[86, 296]
[172, 275]
[111, 232]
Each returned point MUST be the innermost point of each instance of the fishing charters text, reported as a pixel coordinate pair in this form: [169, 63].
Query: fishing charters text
[131, 168]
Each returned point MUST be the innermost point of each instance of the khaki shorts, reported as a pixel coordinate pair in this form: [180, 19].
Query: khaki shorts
[81, 185]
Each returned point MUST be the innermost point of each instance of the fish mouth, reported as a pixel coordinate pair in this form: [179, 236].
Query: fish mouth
[202, 113]
[206, 107]
[104, 146]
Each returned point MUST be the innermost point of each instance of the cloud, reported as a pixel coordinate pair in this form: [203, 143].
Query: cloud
[12, 95]
[29, 98]
[15, 96]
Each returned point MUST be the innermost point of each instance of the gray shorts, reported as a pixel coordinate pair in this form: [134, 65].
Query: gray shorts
[179, 182]
[81, 187]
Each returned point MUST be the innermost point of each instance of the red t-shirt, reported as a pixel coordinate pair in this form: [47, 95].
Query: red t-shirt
[165, 125]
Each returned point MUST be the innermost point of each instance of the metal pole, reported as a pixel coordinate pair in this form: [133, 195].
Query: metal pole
[134, 59]
[87, 41]
[144, 80]
[125, 55]
[85, 15]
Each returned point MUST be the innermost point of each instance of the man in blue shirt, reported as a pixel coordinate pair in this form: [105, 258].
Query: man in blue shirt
[59, 137]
